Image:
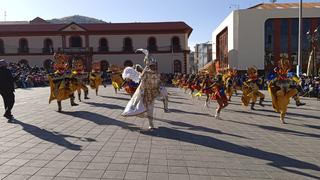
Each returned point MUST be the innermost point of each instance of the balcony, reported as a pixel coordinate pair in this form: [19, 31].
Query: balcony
[176, 48]
[47, 50]
[127, 49]
[23, 50]
[103, 49]
[78, 50]
[152, 48]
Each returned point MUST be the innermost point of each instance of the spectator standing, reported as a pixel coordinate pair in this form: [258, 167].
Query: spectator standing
[6, 89]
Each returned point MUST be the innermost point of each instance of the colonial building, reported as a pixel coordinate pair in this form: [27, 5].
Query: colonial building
[261, 35]
[108, 43]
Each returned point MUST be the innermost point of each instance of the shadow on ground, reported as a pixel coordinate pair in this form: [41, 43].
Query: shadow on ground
[198, 128]
[53, 137]
[102, 120]
[109, 106]
[187, 112]
[276, 160]
[278, 129]
[256, 112]
[117, 98]
[293, 114]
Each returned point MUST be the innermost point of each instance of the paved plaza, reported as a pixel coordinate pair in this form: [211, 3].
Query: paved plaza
[93, 141]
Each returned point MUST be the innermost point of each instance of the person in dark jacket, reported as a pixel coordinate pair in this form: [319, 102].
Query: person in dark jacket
[6, 89]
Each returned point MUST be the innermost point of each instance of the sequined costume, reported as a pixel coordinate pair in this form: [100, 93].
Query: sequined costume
[230, 84]
[148, 90]
[81, 76]
[219, 94]
[62, 83]
[207, 89]
[282, 89]
[95, 78]
[132, 78]
[250, 89]
[116, 77]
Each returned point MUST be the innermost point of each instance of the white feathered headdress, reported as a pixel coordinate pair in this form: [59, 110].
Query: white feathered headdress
[148, 60]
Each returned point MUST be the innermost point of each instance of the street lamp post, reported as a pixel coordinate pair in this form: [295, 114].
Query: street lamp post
[299, 39]
[314, 37]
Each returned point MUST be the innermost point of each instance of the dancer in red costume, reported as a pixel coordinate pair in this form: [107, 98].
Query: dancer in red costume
[219, 95]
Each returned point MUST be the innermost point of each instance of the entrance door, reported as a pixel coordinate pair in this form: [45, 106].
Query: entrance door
[177, 68]
[75, 42]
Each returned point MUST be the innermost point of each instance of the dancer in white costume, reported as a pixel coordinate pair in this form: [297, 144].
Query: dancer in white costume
[142, 101]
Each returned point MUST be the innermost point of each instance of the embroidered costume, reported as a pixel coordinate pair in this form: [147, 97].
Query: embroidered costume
[219, 95]
[95, 77]
[230, 83]
[282, 89]
[149, 89]
[81, 76]
[62, 83]
[116, 78]
[132, 78]
[250, 89]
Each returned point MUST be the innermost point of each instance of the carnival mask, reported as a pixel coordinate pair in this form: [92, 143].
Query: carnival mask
[252, 73]
[78, 65]
[60, 62]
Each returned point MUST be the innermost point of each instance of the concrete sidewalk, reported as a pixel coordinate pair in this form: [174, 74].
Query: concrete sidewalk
[92, 140]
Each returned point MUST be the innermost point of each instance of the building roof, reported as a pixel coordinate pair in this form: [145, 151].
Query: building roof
[99, 27]
[285, 5]
[38, 20]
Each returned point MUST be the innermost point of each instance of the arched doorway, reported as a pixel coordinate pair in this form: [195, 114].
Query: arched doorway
[48, 65]
[75, 41]
[48, 46]
[177, 68]
[128, 63]
[104, 65]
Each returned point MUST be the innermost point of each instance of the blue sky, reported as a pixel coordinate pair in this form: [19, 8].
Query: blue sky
[202, 15]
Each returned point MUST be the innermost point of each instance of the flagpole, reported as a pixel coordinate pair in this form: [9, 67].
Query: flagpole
[299, 69]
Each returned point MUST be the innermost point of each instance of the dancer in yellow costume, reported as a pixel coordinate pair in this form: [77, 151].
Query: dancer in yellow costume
[81, 76]
[250, 89]
[62, 83]
[175, 80]
[296, 83]
[95, 77]
[229, 81]
[116, 78]
[282, 89]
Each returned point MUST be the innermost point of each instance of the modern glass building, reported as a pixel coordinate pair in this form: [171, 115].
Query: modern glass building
[261, 35]
[281, 40]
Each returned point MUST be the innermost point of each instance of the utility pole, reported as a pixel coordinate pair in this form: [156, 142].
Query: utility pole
[299, 69]
[5, 16]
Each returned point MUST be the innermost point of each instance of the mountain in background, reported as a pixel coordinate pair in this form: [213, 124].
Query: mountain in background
[76, 18]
